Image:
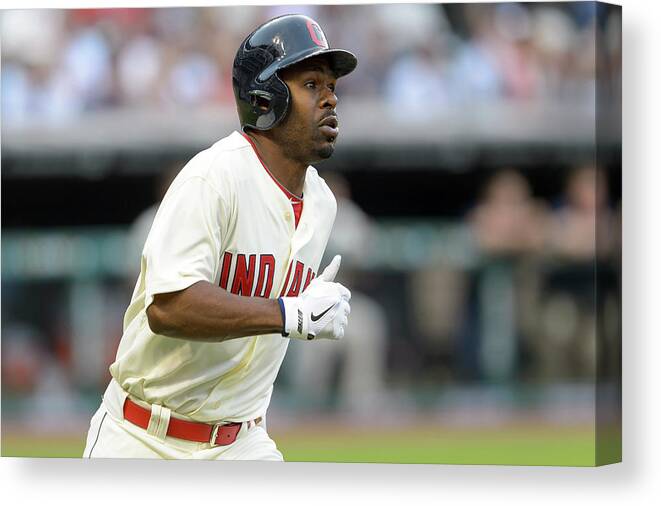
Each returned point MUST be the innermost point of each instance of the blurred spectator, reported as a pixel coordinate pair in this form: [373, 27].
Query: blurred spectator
[583, 217]
[192, 80]
[23, 358]
[87, 63]
[36, 379]
[416, 82]
[416, 85]
[475, 69]
[438, 298]
[581, 224]
[33, 37]
[516, 55]
[507, 220]
[508, 225]
[139, 67]
[413, 25]
[566, 55]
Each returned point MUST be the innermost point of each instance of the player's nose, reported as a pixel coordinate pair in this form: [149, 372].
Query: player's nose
[329, 99]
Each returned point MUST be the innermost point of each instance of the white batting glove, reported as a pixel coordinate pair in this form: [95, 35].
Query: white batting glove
[321, 311]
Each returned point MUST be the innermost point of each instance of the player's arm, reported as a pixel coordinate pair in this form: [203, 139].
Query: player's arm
[205, 312]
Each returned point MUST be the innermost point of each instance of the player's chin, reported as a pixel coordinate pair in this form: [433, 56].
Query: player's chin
[325, 147]
[326, 151]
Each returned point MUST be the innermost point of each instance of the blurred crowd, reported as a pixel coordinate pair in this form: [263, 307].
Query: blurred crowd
[57, 64]
[549, 281]
[525, 312]
[540, 305]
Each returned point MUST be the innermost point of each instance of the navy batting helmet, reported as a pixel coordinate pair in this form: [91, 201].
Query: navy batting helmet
[262, 98]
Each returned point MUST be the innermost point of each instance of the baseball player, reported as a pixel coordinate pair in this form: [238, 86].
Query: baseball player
[229, 268]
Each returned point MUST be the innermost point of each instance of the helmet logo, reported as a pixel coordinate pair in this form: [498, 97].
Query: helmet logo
[316, 34]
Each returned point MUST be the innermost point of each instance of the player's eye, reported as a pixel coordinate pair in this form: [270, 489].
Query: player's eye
[310, 84]
[331, 87]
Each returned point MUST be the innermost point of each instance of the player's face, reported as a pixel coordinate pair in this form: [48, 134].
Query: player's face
[310, 128]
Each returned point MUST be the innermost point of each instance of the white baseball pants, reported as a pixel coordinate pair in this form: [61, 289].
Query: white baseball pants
[110, 436]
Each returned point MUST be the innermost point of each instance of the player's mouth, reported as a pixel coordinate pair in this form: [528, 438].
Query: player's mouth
[328, 127]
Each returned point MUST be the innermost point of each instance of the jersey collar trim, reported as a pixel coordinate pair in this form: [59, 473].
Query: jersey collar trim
[293, 198]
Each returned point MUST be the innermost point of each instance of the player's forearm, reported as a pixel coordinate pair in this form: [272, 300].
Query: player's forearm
[204, 312]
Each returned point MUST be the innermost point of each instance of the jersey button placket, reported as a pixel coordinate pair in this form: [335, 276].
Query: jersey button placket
[288, 215]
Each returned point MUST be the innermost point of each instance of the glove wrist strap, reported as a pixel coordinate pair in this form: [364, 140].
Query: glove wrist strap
[293, 318]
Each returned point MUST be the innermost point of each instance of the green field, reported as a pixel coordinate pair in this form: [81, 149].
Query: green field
[573, 447]
[512, 445]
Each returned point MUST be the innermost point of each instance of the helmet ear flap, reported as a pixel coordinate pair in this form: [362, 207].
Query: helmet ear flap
[260, 100]
[269, 107]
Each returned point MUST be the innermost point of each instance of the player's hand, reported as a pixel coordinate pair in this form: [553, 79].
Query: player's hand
[321, 311]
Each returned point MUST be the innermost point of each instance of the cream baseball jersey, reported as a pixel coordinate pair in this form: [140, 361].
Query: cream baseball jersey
[224, 220]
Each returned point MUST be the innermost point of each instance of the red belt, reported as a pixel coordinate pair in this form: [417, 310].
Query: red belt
[218, 435]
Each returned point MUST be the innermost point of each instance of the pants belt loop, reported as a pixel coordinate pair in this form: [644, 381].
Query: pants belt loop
[159, 421]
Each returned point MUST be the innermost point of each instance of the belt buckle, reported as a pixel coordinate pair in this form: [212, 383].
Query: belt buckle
[214, 433]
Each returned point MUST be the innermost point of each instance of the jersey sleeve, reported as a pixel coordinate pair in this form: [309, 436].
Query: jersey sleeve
[184, 243]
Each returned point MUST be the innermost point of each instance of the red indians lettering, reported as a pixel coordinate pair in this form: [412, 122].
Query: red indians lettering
[253, 275]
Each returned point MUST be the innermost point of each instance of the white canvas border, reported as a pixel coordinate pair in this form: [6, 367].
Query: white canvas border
[70, 481]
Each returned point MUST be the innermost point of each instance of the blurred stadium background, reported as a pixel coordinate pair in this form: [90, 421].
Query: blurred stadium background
[476, 213]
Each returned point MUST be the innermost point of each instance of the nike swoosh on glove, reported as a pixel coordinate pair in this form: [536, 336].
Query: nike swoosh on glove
[321, 311]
